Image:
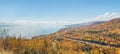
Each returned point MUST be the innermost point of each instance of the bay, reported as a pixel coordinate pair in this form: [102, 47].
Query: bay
[29, 31]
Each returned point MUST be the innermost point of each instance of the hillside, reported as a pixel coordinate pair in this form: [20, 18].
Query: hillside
[107, 33]
[108, 25]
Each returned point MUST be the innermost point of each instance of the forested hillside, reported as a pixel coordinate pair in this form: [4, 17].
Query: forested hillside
[107, 33]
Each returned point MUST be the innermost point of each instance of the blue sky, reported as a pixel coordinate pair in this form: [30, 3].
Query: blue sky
[66, 11]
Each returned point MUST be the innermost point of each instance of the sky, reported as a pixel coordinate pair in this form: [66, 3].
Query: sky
[58, 11]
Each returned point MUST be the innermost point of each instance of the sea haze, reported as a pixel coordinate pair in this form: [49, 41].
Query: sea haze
[29, 31]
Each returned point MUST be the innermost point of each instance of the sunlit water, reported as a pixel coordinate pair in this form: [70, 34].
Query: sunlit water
[29, 31]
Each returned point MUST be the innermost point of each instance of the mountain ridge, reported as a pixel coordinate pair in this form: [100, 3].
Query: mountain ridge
[85, 24]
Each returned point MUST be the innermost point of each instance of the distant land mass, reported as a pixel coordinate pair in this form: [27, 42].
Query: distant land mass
[85, 24]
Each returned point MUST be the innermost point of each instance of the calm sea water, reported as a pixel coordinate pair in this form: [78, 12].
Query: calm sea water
[29, 31]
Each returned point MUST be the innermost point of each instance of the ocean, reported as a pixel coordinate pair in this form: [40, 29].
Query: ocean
[29, 31]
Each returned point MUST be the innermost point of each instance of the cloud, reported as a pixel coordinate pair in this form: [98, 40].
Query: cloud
[103, 17]
[106, 16]
[21, 22]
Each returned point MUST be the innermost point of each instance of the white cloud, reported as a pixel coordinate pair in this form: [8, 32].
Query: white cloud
[21, 22]
[106, 16]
